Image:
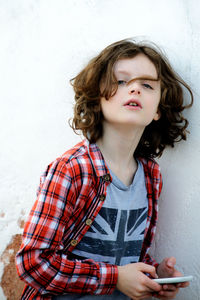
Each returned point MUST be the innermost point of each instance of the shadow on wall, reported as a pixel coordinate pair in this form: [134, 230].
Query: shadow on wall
[11, 285]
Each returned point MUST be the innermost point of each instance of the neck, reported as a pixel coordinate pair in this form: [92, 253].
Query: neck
[118, 146]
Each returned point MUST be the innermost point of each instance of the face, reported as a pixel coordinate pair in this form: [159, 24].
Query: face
[138, 94]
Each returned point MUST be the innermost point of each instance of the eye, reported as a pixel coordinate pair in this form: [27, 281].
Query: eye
[121, 82]
[148, 86]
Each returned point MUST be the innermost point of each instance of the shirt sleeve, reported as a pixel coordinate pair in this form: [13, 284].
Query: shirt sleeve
[154, 188]
[157, 189]
[41, 263]
[150, 261]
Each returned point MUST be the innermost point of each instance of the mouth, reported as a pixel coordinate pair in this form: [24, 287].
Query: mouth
[133, 103]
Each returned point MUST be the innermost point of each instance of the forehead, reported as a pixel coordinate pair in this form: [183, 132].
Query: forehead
[138, 66]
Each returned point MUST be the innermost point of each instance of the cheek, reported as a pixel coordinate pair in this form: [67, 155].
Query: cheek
[157, 98]
[108, 108]
[105, 107]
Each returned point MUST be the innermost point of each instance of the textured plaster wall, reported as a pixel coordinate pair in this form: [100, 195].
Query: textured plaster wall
[44, 43]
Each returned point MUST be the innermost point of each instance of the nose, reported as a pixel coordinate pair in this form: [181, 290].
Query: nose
[134, 91]
[134, 88]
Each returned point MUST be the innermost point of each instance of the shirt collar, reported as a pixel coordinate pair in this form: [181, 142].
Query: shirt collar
[97, 159]
[150, 166]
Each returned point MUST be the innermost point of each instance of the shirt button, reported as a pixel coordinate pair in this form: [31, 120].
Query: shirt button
[74, 242]
[106, 177]
[102, 197]
[88, 222]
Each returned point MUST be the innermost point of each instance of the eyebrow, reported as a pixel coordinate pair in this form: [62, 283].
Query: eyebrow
[143, 77]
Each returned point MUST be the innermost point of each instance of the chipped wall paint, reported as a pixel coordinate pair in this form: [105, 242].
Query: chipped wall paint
[10, 283]
[43, 45]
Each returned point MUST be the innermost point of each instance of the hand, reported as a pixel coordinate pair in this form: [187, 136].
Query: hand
[134, 283]
[166, 269]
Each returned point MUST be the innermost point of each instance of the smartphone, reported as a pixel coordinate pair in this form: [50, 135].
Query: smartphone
[173, 280]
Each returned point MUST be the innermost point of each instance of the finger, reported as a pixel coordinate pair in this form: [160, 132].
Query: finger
[146, 296]
[168, 294]
[177, 273]
[183, 284]
[151, 270]
[169, 287]
[148, 269]
[166, 267]
[153, 286]
[169, 266]
[156, 295]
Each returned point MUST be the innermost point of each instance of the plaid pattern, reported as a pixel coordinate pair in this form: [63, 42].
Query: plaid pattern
[71, 192]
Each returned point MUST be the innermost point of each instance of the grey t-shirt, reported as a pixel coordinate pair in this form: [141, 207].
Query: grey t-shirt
[117, 233]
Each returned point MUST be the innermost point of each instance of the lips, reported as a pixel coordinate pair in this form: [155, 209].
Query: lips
[133, 103]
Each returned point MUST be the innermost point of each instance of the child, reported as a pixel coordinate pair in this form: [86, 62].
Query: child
[91, 227]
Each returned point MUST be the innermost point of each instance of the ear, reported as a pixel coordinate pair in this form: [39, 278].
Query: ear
[157, 116]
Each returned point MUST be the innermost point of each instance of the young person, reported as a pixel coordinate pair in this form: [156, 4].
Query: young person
[91, 227]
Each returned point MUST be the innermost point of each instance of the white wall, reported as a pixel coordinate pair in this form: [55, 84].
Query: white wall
[44, 43]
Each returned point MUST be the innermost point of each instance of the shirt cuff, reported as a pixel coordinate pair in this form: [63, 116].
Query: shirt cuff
[108, 275]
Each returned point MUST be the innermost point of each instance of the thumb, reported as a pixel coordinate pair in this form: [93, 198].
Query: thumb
[170, 262]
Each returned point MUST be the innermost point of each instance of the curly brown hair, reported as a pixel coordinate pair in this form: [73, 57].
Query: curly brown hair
[170, 128]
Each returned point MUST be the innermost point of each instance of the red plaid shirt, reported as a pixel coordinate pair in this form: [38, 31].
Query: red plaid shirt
[71, 193]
